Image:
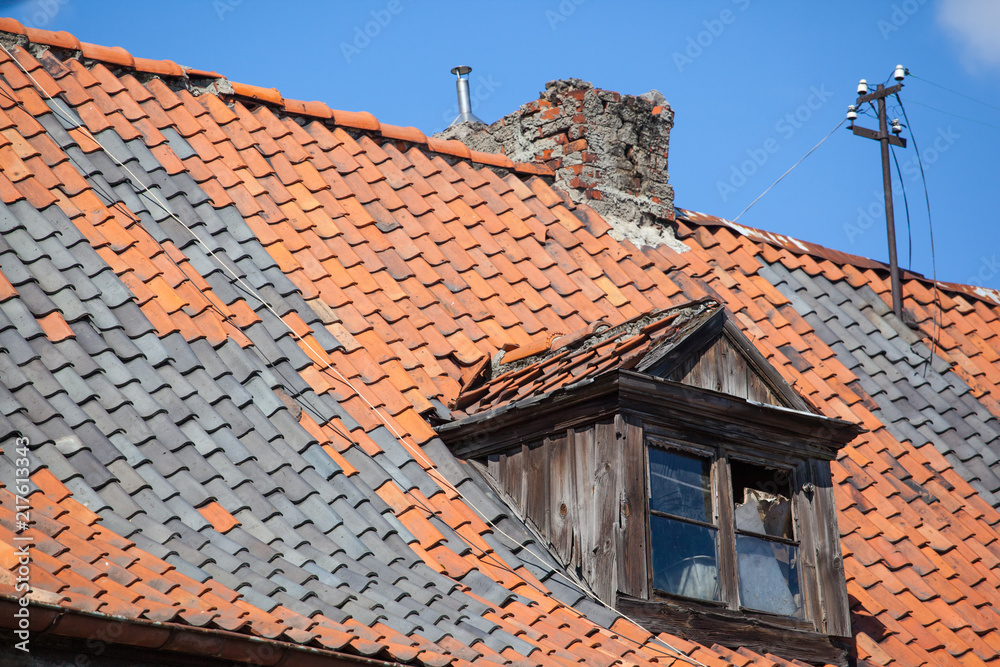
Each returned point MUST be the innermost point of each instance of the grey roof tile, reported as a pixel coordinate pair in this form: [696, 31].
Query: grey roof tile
[293, 353]
[37, 408]
[186, 513]
[232, 415]
[154, 506]
[152, 529]
[130, 480]
[120, 526]
[224, 494]
[21, 317]
[93, 471]
[112, 497]
[258, 548]
[208, 390]
[285, 531]
[239, 362]
[184, 358]
[42, 380]
[143, 541]
[21, 243]
[289, 511]
[35, 299]
[14, 270]
[190, 489]
[253, 524]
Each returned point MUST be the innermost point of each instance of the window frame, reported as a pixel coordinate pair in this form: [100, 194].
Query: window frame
[723, 514]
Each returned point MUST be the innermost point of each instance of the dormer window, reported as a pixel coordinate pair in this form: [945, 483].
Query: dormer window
[675, 472]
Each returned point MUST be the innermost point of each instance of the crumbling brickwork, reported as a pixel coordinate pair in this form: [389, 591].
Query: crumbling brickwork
[607, 150]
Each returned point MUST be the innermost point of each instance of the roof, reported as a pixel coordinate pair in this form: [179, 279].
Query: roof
[228, 320]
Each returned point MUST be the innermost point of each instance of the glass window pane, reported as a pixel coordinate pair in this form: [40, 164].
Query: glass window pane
[762, 498]
[769, 576]
[684, 558]
[680, 484]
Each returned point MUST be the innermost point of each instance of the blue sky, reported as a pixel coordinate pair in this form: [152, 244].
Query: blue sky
[754, 85]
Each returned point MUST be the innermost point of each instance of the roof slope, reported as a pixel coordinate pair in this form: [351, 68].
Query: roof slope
[228, 317]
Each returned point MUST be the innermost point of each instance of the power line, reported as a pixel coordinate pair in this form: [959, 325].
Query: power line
[789, 170]
[930, 224]
[949, 113]
[954, 92]
[906, 207]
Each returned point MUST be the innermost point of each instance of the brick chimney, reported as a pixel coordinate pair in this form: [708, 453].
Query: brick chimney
[607, 150]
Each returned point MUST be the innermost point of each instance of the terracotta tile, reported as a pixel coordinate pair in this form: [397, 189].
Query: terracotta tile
[7, 290]
[216, 515]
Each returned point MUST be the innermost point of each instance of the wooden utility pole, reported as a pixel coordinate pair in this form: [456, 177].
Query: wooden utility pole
[884, 138]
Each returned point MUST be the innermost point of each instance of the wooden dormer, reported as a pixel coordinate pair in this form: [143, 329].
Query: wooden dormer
[697, 437]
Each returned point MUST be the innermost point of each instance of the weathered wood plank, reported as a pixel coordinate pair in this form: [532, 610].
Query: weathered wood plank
[561, 496]
[633, 510]
[757, 390]
[606, 475]
[537, 486]
[585, 525]
[512, 476]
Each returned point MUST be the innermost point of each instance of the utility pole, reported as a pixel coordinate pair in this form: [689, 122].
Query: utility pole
[884, 138]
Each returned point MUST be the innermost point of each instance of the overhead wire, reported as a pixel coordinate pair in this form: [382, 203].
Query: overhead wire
[146, 191]
[949, 113]
[906, 207]
[789, 170]
[930, 225]
[953, 92]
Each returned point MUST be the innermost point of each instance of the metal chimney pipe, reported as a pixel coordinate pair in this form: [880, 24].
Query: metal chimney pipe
[465, 114]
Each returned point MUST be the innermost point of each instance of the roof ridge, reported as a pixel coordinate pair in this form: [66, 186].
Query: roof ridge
[799, 246]
[358, 120]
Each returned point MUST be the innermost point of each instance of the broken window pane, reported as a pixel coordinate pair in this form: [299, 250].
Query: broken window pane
[680, 484]
[684, 558]
[769, 576]
[762, 497]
